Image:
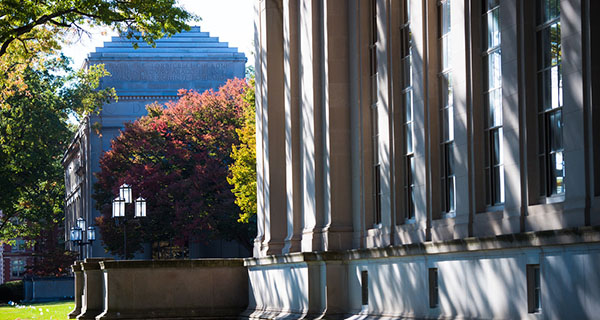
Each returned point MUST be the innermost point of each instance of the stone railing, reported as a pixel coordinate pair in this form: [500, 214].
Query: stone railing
[92, 298]
[76, 268]
[144, 289]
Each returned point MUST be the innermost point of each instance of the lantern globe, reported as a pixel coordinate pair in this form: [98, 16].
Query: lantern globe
[118, 207]
[91, 233]
[125, 192]
[75, 234]
[81, 223]
[140, 207]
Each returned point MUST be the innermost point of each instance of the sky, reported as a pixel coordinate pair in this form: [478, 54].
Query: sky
[230, 20]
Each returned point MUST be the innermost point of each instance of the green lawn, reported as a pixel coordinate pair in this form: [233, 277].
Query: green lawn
[46, 311]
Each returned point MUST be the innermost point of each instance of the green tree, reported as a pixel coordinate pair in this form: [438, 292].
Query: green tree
[32, 29]
[243, 169]
[34, 132]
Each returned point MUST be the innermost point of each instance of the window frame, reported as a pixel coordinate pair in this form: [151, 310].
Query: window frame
[446, 111]
[534, 288]
[406, 45]
[373, 62]
[548, 192]
[434, 288]
[492, 115]
[17, 265]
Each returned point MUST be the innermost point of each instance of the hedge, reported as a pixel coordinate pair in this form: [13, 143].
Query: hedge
[11, 291]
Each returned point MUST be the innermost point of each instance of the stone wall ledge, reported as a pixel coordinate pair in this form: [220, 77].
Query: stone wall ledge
[534, 239]
[160, 264]
[187, 313]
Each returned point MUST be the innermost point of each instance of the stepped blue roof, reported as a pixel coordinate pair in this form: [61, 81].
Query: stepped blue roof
[189, 60]
[193, 45]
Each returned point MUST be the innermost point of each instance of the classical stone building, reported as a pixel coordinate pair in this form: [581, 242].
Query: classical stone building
[188, 60]
[427, 159]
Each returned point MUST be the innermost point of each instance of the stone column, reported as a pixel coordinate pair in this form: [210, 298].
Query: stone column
[271, 123]
[292, 127]
[92, 302]
[578, 174]
[310, 119]
[260, 200]
[513, 185]
[337, 169]
[76, 268]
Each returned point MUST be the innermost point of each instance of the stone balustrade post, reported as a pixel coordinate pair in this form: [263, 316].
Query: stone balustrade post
[76, 268]
[92, 301]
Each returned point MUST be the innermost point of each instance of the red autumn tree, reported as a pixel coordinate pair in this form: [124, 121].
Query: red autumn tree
[177, 158]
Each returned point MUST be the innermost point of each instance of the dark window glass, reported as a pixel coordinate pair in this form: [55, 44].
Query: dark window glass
[364, 279]
[534, 288]
[433, 288]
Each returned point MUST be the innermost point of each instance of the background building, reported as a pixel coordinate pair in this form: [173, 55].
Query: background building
[14, 260]
[189, 60]
[427, 159]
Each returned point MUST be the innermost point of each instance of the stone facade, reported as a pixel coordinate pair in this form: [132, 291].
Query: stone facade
[189, 60]
[427, 159]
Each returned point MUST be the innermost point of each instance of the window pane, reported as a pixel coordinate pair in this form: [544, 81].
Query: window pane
[493, 29]
[556, 143]
[547, 10]
[544, 49]
[488, 147]
[497, 149]
[494, 108]
[407, 72]
[494, 70]
[555, 86]
[446, 16]
[488, 183]
[409, 138]
[451, 191]
[406, 11]
[448, 124]
[556, 173]
[445, 53]
[542, 134]
[498, 185]
[542, 174]
[411, 202]
[447, 94]
[497, 108]
[450, 159]
[408, 106]
[545, 90]
[555, 46]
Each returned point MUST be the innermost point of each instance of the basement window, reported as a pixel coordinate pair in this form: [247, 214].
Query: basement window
[534, 292]
[433, 288]
[364, 281]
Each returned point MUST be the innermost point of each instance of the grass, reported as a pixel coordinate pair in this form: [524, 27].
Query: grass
[46, 311]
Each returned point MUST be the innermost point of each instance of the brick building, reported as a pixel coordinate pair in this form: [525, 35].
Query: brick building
[15, 260]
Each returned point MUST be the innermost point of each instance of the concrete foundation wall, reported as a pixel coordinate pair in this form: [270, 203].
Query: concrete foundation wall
[279, 288]
[48, 289]
[174, 289]
[479, 278]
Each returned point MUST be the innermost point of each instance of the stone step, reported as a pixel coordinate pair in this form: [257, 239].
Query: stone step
[172, 39]
[200, 55]
[191, 34]
[166, 50]
[168, 44]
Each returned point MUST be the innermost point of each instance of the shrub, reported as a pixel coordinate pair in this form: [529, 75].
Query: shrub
[11, 291]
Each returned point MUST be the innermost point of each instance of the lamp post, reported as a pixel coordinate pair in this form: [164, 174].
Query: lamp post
[79, 232]
[118, 210]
